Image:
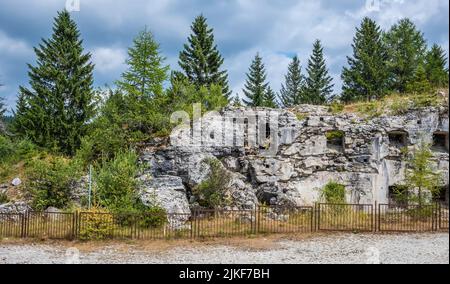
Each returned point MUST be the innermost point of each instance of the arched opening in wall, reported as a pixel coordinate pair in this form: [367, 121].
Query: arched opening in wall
[440, 141]
[398, 195]
[398, 138]
[335, 140]
[441, 195]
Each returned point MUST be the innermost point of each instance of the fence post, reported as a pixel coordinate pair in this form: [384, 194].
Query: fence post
[374, 217]
[318, 216]
[22, 225]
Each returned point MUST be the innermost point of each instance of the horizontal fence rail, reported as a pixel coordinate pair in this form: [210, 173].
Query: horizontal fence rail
[226, 223]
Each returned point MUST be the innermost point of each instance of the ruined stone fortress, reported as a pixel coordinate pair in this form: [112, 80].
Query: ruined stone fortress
[285, 157]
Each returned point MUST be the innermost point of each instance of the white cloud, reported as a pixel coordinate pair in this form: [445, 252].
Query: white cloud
[107, 59]
[13, 47]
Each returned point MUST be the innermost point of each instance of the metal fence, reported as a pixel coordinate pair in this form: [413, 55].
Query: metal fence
[345, 217]
[225, 223]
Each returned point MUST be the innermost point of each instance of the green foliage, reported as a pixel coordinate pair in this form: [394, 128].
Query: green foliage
[12, 152]
[366, 78]
[334, 134]
[270, 98]
[406, 48]
[95, 225]
[255, 88]
[201, 60]
[116, 183]
[55, 112]
[425, 100]
[236, 101]
[6, 148]
[420, 175]
[333, 192]
[291, 92]
[336, 107]
[212, 192]
[419, 84]
[370, 109]
[3, 198]
[146, 71]
[318, 82]
[301, 116]
[435, 67]
[49, 179]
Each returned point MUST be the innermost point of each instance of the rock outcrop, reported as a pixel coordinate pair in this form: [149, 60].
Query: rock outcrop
[285, 157]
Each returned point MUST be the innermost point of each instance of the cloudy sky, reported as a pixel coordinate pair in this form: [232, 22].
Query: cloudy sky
[277, 29]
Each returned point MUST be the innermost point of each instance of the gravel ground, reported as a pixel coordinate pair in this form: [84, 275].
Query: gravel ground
[339, 248]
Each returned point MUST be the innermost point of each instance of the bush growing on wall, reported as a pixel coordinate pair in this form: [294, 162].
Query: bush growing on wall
[333, 192]
[212, 192]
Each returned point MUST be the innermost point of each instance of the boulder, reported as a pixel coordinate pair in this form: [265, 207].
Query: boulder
[167, 192]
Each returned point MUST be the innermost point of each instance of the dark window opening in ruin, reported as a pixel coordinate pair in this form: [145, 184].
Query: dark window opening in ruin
[246, 132]
[211, 135]
[321, 119]
[441, 195]
[440, 142]
[398, 195]
[234, 132]
[419, 122]
[335, 140]
[398, 138]
[268, 131]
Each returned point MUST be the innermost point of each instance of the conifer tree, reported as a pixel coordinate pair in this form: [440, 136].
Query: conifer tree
[146, 71]
[2, 108]
[142, 86]
[435, 67]
[419, 84]
[255, 88]
[236, 101]
[318, 83]
[270, 98]
[406, 48]
[366, 77]
[55, 111]
[201, 60]
[291, 92]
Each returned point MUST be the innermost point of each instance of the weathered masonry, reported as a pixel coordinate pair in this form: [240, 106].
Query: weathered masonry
[285, 157]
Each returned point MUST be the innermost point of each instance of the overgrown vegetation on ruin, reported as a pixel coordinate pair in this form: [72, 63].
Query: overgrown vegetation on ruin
[211, 193]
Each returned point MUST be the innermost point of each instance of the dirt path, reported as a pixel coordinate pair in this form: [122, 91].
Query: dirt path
[336, 248]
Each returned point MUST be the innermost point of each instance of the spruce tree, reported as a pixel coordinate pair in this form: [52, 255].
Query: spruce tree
[318, 83]
[146, 71]
[406, 48]
[291, 92]
[201, 60]
[236, 101]
[255, 88]
[270, 98]
[55, 111]
[419, 84]
[366, 77]
[435, 67]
